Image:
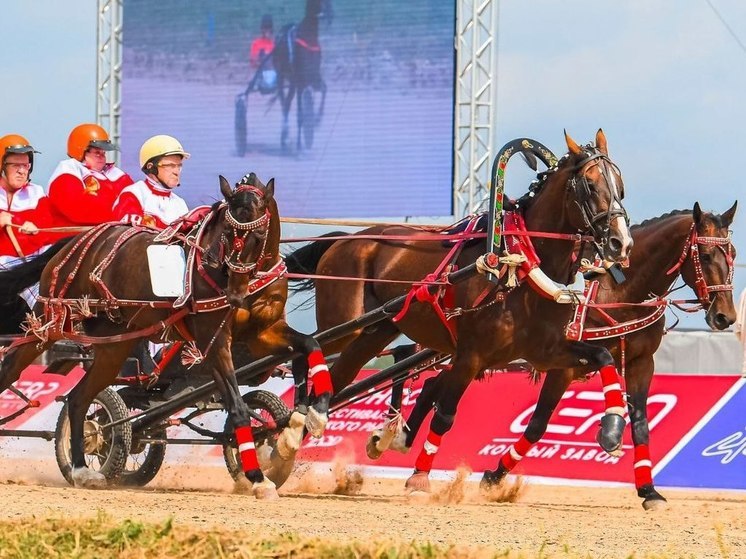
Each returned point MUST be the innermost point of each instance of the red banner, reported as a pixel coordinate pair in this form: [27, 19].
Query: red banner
[35, 386]
[495, 412]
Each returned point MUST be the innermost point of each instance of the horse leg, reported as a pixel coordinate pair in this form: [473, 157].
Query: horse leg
[322, 103]
[393, 427]
[299, 108]
[451, 389]
[639, 376]
[554, 387]
[107, 361]
[238, 412]
[287, 100]
[16, 360]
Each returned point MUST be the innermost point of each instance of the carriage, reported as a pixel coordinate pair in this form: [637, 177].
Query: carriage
[125, 430]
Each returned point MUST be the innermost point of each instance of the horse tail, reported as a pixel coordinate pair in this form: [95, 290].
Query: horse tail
[306, 259]
[25, 275]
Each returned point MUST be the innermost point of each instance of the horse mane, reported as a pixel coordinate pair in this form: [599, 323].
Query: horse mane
[654, 220]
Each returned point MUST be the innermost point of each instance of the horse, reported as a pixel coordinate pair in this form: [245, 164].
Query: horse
[87, 284]
[297, 61]
[490, 325]
[693, 244]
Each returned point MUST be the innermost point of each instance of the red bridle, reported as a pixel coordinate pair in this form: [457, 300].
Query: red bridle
[241, 231]
[691, 249]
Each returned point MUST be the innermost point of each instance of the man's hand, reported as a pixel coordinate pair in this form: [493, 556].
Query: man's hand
[29, 228]
[6, 218]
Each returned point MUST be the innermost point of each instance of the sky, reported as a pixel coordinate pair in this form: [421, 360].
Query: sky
[665, 80]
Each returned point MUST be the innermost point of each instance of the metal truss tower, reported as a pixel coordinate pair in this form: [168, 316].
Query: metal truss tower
[109, 68]
[476, 103]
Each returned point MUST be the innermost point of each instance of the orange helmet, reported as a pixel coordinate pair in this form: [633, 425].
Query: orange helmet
[86, 136]
[14, 143]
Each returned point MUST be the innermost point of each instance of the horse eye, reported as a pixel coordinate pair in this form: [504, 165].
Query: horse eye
[705, 258]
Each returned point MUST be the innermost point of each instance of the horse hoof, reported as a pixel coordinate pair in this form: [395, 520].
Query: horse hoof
[655, 504]
[316, 422]
[609, 437]
[418, 482]
[88, 479]
[371, 447]
[492, 478]
[289, 441]
[265, 490]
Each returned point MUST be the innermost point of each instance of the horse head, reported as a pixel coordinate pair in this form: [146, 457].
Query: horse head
[594, 195]
[248, 214]
[708, 264]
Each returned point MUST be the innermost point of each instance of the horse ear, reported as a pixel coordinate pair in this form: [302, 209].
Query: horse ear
[225, 188]
[572, 145]
[697, 213]
[269, 190]
[727, 217]
[601, 142]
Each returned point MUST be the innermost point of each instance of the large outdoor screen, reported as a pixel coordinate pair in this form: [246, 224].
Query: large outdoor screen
[368, 130]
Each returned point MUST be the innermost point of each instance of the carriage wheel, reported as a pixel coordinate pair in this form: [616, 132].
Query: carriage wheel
[240, 125]
[275, 416]
[106, 450]
[145, 458]
[307, 117]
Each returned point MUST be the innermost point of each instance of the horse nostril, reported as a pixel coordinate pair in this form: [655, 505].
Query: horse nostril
[721, 321]
[615, 246]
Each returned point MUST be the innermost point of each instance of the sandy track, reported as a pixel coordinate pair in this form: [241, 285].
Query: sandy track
[604, 522]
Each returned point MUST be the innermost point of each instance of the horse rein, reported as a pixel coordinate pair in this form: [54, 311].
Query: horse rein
[691, 250]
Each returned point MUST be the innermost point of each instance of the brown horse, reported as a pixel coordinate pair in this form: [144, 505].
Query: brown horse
[693, 244]
[581, 194]
[90, 282]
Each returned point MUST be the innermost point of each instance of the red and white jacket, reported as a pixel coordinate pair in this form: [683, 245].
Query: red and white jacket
[148, 203]
[27, 204]
[81, 196]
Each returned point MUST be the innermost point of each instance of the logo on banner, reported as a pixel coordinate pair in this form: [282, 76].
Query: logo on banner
[728, 448]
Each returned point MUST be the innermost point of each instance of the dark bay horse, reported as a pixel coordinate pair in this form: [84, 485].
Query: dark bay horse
[581, 194]
[90, 281]
[297, 60]
[691, 243]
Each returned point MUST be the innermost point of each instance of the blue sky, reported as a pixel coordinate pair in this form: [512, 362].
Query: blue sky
[666, 81]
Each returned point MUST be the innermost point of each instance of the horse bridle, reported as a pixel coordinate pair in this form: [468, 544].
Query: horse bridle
[691, 250]
[241, 232]
[599, 222]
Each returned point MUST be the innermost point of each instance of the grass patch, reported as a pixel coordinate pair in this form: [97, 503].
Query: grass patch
[102, 538]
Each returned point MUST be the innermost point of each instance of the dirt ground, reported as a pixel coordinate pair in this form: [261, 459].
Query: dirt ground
[602, 522]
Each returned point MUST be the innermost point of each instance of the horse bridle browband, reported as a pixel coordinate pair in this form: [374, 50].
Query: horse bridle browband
[691, 249]
[241, 232]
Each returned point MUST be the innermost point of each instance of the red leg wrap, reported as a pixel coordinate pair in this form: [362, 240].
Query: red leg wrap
[643, 466]
[514, 454]
[319, 373]
[246, 449]
[612, 388]
[424, 461]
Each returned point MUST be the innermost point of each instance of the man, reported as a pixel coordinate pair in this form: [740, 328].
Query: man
[83, 189]
[152, 202]
[23, 210]
[23, 206]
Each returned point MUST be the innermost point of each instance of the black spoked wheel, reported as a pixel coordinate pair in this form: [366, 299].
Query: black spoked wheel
[274, 417]
[240, 125]
[146, 457]
[106, 449]
[307, 116]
